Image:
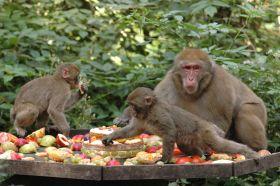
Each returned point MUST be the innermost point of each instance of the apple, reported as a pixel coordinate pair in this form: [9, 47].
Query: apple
[34, 143]
[20, 142]
[76, 146]
[15, 156]
[1, 150]
[39, 133]
[177, 152]
[113, 163]
[184, 160]
[65, 149]
[197, 159]
[78, 138]
[28, 159]
[152, 149]
[12, 138]
[9, 146]
[47, 141]
[27, 149]
[76, 159]
[238, 157]
[4, 137]
[49, 149]
[143, 135]
[62, 140]
[58, 155]
[264, 152]
[83, 156]
[41, 154]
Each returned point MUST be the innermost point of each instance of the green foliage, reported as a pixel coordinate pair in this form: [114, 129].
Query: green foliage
[120, 45]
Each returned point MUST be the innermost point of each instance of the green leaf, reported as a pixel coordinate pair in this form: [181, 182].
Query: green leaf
[211, 10]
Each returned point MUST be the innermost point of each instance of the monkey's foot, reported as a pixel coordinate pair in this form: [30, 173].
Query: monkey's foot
[20, 131]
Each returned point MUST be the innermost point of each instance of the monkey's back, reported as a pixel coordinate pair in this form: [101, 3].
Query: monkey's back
[185, 121]
[37, 91]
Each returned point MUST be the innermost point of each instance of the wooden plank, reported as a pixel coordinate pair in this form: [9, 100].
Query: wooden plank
[166, 171]
[254, 165]
[58, 170]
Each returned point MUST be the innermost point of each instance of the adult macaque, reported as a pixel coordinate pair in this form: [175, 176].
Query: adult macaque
[192, 134]
[200, 86]
[47, 97]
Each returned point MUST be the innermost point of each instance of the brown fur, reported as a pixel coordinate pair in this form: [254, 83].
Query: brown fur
[46, 97]
[221, 99]
[173, 124]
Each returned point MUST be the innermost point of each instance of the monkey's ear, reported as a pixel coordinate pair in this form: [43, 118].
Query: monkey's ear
[65, 72]
[148, 100]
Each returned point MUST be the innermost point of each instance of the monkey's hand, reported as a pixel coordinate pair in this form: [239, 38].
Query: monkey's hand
[83, 89]
[107, 141]
[121, 122]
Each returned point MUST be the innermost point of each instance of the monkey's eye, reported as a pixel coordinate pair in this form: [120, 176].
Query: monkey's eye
[196, 67]
[187, 67]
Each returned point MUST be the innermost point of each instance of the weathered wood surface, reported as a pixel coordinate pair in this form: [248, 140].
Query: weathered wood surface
[255, 165]
[58, 170]
[166, 171]
[89, 172]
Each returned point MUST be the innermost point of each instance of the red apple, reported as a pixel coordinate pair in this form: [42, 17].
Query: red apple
[264, 152]
[113, 163]
[184, 160]
[152, 149]
[78, 138]
[15, 156]
[83, 156]
[143, 135]
[76, 146]
[177, 152]
[197, 159]
[1, 150]
[20, 142]
[62, 140]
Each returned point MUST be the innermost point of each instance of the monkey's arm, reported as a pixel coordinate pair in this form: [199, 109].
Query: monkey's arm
[75, 97]
[126, 132]
[56, 113]
[167, 131]
[124, 118]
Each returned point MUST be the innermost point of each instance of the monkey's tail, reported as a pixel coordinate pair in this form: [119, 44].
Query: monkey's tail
[12, 116]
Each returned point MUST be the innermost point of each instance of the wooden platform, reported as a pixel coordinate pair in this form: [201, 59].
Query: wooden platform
[139, 172]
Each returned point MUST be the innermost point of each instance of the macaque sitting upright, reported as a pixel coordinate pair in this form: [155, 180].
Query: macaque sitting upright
[47, 97]
[192, 134]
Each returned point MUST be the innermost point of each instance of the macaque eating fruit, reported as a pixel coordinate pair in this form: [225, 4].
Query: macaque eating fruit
[196, 84]
[47, 97]
[192, 134]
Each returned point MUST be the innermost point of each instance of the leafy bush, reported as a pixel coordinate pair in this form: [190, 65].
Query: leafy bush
[120, 45]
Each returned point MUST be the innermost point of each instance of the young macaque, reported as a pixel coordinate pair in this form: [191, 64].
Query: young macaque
[47, 97]
[192, 134]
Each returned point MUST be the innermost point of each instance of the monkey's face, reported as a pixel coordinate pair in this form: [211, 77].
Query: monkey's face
[70, 74]
[191, 69]
[141, 100]
[191, 74]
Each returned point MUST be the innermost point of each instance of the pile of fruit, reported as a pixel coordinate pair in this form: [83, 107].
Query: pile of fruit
[88, 149]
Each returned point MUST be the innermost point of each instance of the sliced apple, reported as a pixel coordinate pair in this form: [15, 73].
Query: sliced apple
[62, 140]
[36, 134]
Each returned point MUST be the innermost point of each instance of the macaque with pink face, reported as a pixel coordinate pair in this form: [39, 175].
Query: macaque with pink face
[198, 85]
